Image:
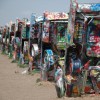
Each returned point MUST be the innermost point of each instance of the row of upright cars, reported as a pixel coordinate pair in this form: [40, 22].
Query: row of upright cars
[65, 47]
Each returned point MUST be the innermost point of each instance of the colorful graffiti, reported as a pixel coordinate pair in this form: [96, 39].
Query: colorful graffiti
[71, 22]
[88, 7]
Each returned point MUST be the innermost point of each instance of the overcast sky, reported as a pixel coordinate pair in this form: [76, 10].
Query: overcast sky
[12, 9]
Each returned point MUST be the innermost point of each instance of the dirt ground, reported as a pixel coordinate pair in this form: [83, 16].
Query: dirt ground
[17, 86]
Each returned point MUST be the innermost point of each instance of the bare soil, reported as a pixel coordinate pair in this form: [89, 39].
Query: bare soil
[17, 86]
